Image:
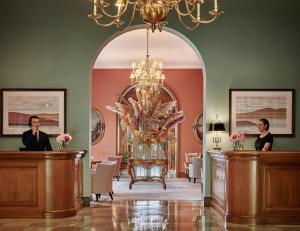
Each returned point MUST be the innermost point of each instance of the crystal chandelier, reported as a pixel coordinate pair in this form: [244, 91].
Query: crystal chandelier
[147, 75]
[153, 12]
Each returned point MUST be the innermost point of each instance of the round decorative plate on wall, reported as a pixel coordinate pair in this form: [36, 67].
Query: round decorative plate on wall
[98, 126]
[198, 128]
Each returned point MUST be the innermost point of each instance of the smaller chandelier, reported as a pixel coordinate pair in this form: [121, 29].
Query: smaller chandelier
[152, 12]
[147, 74]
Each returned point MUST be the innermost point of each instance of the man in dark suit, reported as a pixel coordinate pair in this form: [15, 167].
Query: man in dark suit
[34, 138]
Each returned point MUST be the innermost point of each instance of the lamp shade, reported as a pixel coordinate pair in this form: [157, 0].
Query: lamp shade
[216, 127]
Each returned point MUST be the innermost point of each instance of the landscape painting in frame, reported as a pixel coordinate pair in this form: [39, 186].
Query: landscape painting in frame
[19, 104]
[248, 106]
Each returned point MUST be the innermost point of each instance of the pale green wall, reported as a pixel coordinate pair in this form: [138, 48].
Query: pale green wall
[52, 44]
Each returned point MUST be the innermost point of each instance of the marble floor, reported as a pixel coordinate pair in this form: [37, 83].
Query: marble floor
[178, 189]
[137, 215]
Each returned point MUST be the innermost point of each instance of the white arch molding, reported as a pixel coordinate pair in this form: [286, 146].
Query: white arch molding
[186, 40]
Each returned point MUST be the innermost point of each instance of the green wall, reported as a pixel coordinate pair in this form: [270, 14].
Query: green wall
[52, 44]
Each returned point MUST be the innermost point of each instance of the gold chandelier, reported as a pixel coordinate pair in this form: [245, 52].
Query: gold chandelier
[153, 12]
[147, 74]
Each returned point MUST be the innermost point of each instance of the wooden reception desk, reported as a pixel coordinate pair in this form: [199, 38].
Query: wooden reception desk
[40, 184]
[256, 187]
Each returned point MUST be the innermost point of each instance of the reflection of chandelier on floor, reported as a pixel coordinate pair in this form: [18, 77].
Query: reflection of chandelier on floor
[153, 12]
[147, 74]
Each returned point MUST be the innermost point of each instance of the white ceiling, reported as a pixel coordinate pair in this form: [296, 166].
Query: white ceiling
[131, 46]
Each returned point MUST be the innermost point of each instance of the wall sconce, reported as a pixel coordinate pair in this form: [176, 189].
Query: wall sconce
[215, 128]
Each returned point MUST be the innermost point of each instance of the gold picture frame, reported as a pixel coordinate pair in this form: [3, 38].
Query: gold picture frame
[98, 126]
[198, 128]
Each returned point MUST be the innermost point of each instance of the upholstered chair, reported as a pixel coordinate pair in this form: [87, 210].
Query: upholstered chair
[118, 160]
[195, 169]
[188, 160]
[102, 178]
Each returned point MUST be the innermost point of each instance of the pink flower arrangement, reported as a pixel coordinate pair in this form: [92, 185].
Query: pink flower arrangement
[238, 137]
[63, 138]
[238, 140]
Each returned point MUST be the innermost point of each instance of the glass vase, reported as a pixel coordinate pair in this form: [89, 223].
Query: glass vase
[238, 145]
[63, 145]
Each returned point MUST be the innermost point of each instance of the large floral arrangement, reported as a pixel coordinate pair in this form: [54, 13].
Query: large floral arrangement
[148, 119]
[238, 139]
[63, 140]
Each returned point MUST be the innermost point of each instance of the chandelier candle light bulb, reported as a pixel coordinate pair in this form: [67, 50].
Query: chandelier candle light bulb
[119, 4]
[95, 8]
[216, 5]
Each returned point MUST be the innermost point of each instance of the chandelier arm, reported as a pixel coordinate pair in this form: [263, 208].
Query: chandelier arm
[171, 4]
[104, 25]
[182, 13]
[132, 2]
[208, 21]
[203, 21]
[134, 5]
[131, 19]
[186, 26]
[191, 13]
[117, 15]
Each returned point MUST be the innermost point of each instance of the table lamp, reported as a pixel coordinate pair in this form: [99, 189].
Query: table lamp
[215, 128]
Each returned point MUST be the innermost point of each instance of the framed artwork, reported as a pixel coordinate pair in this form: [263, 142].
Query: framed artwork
[19, 104]
[98, 126]
[198, 128]
[246, 107]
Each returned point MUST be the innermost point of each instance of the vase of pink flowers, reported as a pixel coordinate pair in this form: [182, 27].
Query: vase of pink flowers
[238, 140]
[63, 140]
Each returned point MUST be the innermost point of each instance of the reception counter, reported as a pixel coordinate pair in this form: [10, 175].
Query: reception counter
[40, 184]
[250, 187]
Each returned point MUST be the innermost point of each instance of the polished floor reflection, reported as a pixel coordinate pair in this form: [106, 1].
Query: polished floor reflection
[136, 215]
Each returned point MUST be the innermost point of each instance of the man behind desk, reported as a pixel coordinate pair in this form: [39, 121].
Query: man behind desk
[34, 138]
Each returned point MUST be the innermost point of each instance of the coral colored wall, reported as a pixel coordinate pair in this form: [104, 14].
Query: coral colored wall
[186, 84]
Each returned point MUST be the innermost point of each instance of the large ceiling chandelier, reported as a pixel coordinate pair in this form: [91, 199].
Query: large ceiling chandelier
[147, 74]
[153, 12]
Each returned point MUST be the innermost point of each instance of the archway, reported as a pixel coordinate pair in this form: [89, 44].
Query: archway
[180, 37]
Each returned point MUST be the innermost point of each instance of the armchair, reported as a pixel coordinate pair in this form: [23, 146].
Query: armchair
[195, 169]
[118, 160]
[102, 178]
[188, 160]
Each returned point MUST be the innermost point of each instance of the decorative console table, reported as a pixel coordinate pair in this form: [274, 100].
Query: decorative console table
[253, 187]
[40, 184]
[147, 164]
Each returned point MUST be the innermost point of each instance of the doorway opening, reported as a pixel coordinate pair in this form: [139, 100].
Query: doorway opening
[185, 78]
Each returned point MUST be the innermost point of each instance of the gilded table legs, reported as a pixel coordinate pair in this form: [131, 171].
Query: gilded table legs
[147, 164]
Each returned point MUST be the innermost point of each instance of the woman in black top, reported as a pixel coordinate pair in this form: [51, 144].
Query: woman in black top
[264, 141]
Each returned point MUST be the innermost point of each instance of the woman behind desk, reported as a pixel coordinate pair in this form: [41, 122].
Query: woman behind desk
[264, 141]
[34, 138]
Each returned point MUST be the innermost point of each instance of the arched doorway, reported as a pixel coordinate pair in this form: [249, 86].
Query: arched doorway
[106, 48]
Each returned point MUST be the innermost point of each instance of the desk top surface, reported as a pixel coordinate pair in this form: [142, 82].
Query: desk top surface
[42, 154]
[253, 153]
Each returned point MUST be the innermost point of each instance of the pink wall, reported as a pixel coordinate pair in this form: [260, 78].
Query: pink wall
[186, 84]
